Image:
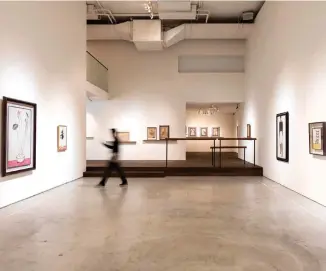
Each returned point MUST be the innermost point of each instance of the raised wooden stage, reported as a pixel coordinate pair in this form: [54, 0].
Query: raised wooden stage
[196, 164]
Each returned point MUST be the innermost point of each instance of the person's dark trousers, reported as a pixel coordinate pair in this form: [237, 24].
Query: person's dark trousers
[113, 165]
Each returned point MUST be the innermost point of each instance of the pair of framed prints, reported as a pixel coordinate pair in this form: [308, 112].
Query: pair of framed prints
[19, 136]
[317, 130]
[164, 132]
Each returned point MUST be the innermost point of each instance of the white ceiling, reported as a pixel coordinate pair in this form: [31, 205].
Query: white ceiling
[217, 9]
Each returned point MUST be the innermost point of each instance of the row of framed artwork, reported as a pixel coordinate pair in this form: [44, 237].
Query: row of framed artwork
[164, 132]
[192, 131]
[19, 136]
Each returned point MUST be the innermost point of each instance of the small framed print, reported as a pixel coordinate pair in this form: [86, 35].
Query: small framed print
[216, 132]
[203, 131]
[282, 137]
[317, 145]
[192, 131]
[164, 131]
[151, 133]
[248, 131]
[62, 138]
[123, 136]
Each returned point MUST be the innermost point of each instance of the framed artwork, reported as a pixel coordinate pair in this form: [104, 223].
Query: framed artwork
[62, 138]
[192, 131]
[123, 136]
[151, 133]
[248, 130]
[18, 136]
[164, 131]
[216, 131]
[317, 144]
[203, 131]
[282, 137]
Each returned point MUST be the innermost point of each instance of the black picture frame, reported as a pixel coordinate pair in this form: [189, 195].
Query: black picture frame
[284, 128]
[5, 139]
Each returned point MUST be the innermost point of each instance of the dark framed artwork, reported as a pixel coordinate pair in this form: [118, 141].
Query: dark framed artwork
[317, 145]
[216, 132]
[248, 131]
[203, 131]
[151, 133]
[164, 131]
[192, 131]
[18, 136]
[62, 138]
[282, 137]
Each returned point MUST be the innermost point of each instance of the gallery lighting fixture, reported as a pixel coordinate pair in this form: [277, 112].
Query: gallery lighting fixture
[149, 8]
[212, 110]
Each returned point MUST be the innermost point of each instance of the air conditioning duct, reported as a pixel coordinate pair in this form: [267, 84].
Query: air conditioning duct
[179, 15]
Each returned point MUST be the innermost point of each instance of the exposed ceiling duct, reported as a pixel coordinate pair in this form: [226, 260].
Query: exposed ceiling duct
[148, 35]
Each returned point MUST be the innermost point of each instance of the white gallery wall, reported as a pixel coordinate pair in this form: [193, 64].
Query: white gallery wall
[285, 71]
[225, 121]
[147, 91]
[43, 61]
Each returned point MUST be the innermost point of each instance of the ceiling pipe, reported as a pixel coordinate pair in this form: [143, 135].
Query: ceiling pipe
[134, 14]
[105, 14]
[203, 13]
[103, 10]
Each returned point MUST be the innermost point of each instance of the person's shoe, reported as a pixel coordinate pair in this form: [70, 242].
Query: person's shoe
[101, 184]
[123, 184]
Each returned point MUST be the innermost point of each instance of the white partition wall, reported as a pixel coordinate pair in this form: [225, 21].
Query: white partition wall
[285, 71]
[147, 90]
[42, 52]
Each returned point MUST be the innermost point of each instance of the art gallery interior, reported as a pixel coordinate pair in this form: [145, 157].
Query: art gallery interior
[219, 107]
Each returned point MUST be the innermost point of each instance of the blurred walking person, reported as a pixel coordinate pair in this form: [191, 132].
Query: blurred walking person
[114, 163]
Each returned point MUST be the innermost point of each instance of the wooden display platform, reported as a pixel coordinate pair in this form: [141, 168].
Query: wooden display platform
[191, 167]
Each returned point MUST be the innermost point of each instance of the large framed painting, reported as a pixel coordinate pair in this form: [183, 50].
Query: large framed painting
[164, 131]
[282, 137]
[18, 136]
[317, 144]
[62, 138]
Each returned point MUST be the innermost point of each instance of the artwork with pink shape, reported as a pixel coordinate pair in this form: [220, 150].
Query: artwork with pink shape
[19, 152]
[20, 136]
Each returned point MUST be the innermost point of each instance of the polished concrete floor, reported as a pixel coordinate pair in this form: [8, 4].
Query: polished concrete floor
[191, 224]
